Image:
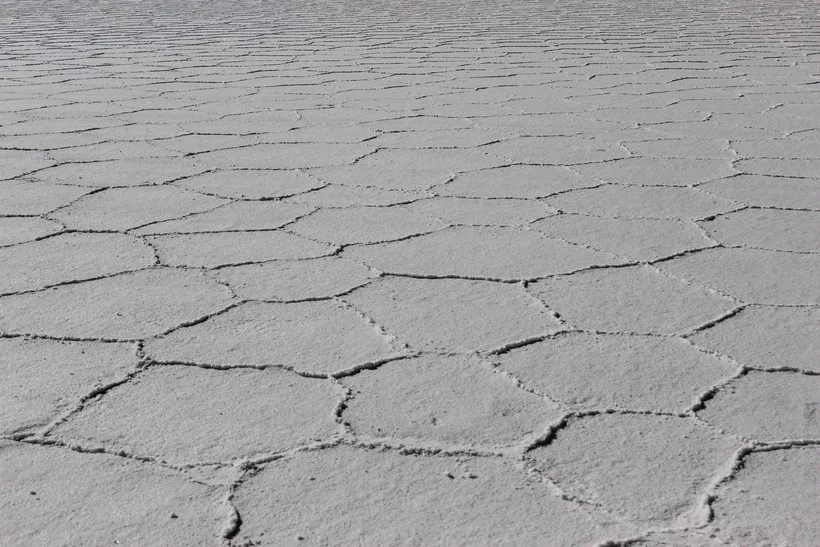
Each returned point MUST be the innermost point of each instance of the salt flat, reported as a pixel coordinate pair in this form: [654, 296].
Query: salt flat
[419, 273]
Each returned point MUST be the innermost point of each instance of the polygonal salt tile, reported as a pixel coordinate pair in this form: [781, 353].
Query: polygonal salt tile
[106, 151]
[364, 225]
[800, 168]
[498, 93]
[418, 124]
[453, 400]
[323, 133]
[126, 306]
[753, 275]
[447, 161]
[453, 314]
[635, 239]
[317, 338]
[244, 184]
[210, 250]
[15, 106]
[777, 148]
[245, 124]
[15, 230]
[749, 104]
[194, 144]
[766, 337]
[124, 172]
[347, 495]
[124, 501]
[658, 172]
[14, 163]
[643, 116]
[632, 299]
[463, 110]
[289, 280]
[627, 135]
[514, 181]
[340, 115]
[481, 212]
[543, 105]
[808, 110]
[641, 202]
[126, 208]
[765, 191]
[34, 198]
[189, 414]
[284, 156]
[644, 467]
[768, 228]
[44, 378]
[782, 479]
[47, 142]
[607, 99]
[232, 217]
[545, 124]
[445, 138]
[70, 257]
[690, 149]
[557, 150]
[768, 406]
[84, 108]
[348, 196]
[175, 116]
[480, 252]
[589, 371]
[384, 177]
[707, 130]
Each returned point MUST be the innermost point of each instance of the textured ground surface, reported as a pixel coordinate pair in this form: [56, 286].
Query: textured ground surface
[409, 273]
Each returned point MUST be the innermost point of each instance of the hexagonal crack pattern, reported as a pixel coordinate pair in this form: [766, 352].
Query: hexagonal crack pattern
[329, 273]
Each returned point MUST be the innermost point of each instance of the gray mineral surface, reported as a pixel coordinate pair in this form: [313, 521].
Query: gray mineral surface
[409, 272]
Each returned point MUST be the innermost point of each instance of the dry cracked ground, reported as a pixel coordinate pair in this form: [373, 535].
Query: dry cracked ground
[427, 273]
